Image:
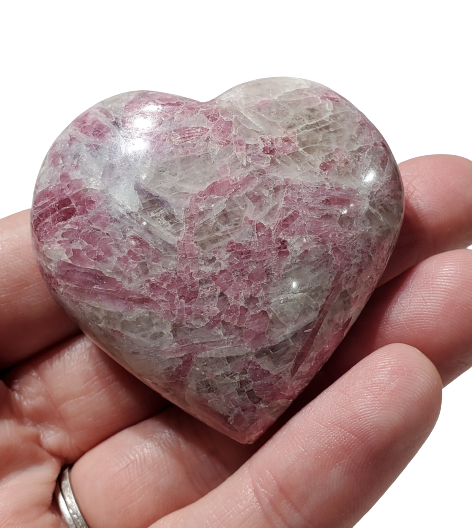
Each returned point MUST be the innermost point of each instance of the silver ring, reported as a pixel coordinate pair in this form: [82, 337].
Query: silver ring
[67, 503]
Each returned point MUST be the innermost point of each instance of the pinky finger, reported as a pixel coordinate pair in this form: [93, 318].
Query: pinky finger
[334, 459]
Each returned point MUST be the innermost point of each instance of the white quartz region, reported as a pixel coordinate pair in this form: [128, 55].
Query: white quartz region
[219, 251]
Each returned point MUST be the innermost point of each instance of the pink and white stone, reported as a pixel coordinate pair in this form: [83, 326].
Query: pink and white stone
[219, 251]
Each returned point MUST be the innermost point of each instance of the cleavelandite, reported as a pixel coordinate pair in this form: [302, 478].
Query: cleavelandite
[219, 251]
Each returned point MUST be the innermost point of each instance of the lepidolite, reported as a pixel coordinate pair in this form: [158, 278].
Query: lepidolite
[219, 251]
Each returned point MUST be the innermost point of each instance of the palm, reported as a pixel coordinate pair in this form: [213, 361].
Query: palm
[142, 462]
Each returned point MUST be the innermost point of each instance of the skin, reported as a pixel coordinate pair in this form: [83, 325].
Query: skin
[141, 462]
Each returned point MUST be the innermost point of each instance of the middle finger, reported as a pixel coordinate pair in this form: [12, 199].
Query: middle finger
[76, 397]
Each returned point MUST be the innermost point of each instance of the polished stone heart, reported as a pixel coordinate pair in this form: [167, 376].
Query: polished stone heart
[219, 251]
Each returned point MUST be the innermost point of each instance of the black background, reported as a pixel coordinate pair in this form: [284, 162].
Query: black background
[419, 111]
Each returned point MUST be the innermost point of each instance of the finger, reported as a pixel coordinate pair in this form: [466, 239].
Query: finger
[438, 210]
[75, 396]
[335, 458]
[27, 473]
[30, 320]
[152, 469]
[428, 307]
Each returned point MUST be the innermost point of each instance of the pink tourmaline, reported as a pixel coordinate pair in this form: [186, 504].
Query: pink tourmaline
[219, 251]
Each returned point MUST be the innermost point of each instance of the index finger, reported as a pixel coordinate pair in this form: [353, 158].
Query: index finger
[438, 210]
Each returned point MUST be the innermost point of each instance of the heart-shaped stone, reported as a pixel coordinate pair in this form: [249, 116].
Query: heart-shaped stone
[219, 251]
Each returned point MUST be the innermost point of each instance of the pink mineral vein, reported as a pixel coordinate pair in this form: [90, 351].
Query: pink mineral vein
[219, 251]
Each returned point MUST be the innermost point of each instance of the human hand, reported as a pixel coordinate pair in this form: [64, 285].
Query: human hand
[140, 462]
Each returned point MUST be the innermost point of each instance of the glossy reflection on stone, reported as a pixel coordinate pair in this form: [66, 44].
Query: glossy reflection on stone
[219, 251]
